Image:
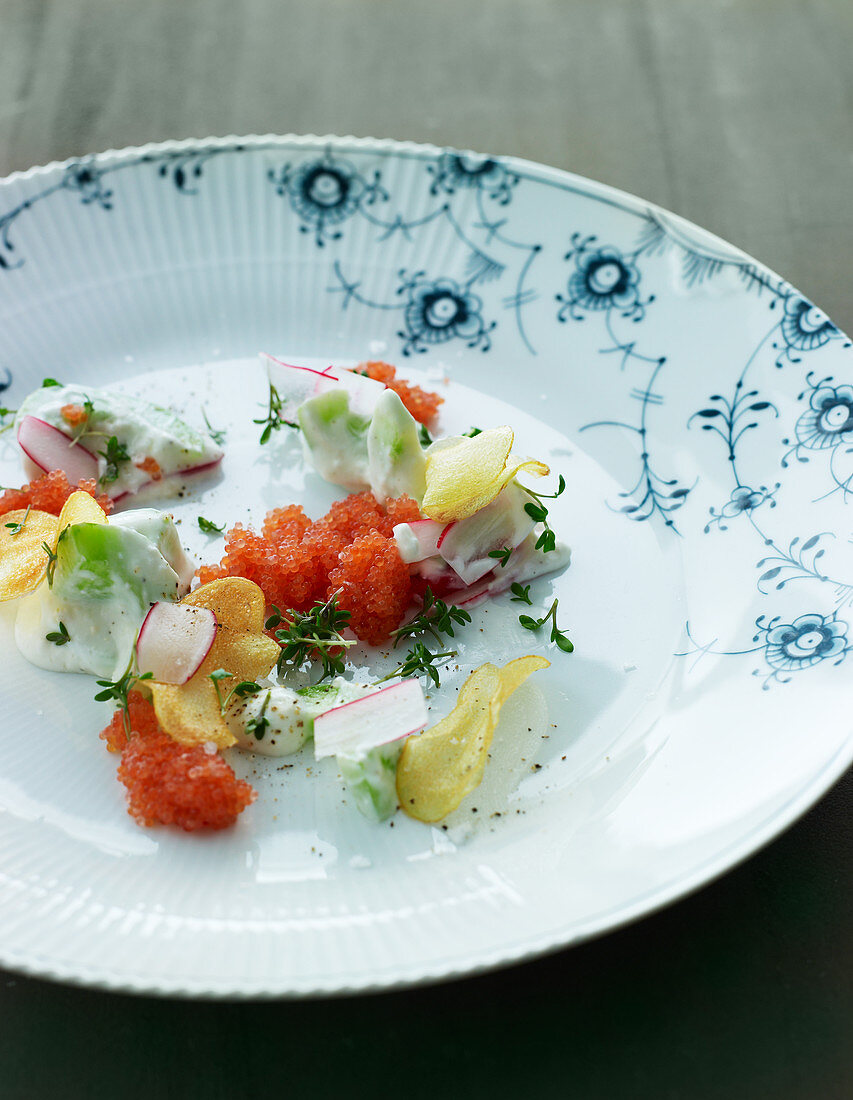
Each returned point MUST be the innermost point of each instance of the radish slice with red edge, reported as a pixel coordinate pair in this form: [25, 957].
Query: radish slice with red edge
[296, 384]
[51, 449]
[466, 544]
[419, 539]
[363, 724]
[174, 640]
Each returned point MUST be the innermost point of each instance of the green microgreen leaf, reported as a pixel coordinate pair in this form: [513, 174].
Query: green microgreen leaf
[274, 420]
[120, 689]
[314, 635]
[258, 724]
[521, 593]
[503, 555]
[439, 620]
[115, 455]
[436, 618]
[216, 434]
[241, 690]
[51, 560]
[209, 527]
[4, 412]
[17, 527]
[557, 636]
[420, 661]
[547, 540]
[48, 382]
[60, 636]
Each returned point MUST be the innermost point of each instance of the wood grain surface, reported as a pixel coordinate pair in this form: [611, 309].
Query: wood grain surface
[737, 114]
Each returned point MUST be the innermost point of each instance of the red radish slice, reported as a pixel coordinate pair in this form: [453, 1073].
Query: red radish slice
[51, 449]
[174, 640]
[167, 479]
[373, 720]
[466, 544]
[438, 575]
[419, 539]
[295, 384]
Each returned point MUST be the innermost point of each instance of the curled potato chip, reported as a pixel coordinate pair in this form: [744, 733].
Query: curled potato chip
[464, 473]
[440, 766]
[190, 712]
[23, 559]
[80, 508]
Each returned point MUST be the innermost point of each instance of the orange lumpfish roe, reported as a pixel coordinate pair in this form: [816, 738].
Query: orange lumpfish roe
[169, 783]
[296, 562]
[422, 404]
[49, 492]
[74, 415]
[374, 586]
[150, 466]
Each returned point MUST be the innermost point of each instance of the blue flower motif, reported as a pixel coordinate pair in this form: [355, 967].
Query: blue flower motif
[603, 279]
[804, 326]
[84, 177]
[829, 418]
[455, 171]
[742, 500]
[325, 192]
[805, 642]
[440, 310]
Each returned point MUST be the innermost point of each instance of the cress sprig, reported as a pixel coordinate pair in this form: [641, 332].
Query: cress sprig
[435, 619]
[209, 527]
[420, 661]
[121, 688]
[314, 635]
[274, 420]
[52, 557]
[559, 637]
[115, 454]
[60, 636]
[15, 528]
[241, 690]
[258, 724]
[537, 511]
[216, 434]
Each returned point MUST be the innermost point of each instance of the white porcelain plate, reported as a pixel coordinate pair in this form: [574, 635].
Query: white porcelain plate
[702, 413]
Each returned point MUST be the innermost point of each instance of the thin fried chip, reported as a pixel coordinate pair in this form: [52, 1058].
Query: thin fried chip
[190, 712]
[465, 473]
[443, 764]
[80, 508]
[23, 559]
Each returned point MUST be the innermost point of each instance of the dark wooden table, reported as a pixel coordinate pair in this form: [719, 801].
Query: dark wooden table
[737, 115]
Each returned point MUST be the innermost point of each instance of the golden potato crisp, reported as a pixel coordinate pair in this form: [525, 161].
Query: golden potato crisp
[80, 508]
[23, 558]
[438, 767]
[190, 712]
[464, 474]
